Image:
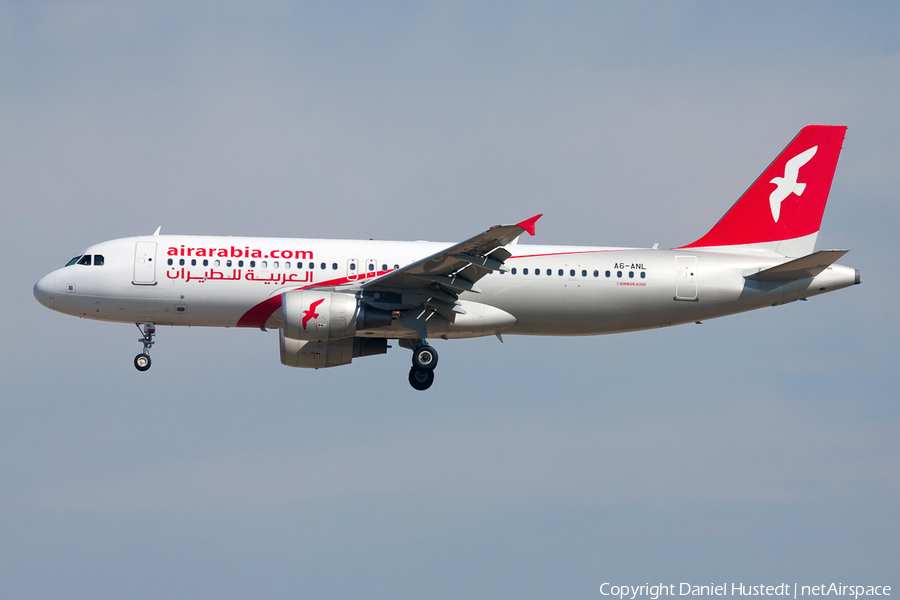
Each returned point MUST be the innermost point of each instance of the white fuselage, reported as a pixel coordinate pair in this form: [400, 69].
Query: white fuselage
[548, 290]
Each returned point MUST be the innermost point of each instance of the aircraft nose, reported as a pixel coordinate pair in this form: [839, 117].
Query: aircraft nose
[43, 290]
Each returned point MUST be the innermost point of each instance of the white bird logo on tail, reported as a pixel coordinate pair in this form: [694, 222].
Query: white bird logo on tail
[788, 184]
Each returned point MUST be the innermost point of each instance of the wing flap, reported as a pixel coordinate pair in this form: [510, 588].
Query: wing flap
[456, 285]
[482, 261]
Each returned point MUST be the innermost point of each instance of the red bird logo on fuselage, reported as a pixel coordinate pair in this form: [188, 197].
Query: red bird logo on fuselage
[311, 313]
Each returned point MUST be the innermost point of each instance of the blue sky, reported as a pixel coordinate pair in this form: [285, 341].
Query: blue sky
[758, 447]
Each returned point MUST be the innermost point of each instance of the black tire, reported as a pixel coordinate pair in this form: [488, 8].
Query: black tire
[425, 358]
[420, 379]
[142, 362]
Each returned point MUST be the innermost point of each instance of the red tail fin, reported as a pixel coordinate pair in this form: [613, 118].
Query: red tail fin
[787, 201]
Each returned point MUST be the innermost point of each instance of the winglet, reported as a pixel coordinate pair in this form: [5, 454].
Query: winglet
[528, 224]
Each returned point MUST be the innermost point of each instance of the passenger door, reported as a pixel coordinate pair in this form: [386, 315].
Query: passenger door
[144, 263]
[686, 278]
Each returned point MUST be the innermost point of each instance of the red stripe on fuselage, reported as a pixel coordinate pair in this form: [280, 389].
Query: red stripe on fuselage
[259, 315]
[575, 252]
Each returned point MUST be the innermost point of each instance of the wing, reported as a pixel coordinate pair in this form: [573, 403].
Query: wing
[435, 282]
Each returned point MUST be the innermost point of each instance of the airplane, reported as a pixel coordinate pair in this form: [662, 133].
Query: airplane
[336, 300]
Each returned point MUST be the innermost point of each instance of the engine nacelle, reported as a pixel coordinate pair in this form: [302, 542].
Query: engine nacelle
[322, 316]
[322, 354]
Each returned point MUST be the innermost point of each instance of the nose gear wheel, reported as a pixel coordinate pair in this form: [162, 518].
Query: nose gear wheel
[142, 362]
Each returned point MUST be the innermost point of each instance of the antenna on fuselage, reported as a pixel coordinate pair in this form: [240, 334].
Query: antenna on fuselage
[157, 230]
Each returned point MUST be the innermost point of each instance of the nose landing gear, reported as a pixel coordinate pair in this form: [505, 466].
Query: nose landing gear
[148, 332]
[424, 360]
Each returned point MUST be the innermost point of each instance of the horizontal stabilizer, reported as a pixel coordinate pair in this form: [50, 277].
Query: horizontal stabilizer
[799, 268]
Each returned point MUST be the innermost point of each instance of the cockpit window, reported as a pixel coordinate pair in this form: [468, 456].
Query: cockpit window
[98, 260]
[85, 260]
[73, 261]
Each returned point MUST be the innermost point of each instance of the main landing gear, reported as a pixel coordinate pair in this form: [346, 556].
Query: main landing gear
[424, 360]
[148, 332]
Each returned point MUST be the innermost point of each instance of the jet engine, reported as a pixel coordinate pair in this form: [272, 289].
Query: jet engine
[313, 315]
[321, 354]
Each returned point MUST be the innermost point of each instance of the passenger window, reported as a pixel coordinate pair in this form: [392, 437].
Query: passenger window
[287, 265]
[396, 267]
[384, 267]
[631, 274]
[323, 266]
[334, 266]
[525, 271]
[513, 271]
[352, 266]
[217, 263]
[240, 263]
[537, 271]
[560, 272]
[228, 263]
[618, 273]
[73, 261]
[571, 272]
[252, 263]
[181, 262]
[275, 265]
[596, 273]
[205, 263]
[584, 272]
[170, 261]
[193, 262]
[371, 267]
[85, 260]
[98, 260]
[607, 273]
[312, 265]
[643, 274]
